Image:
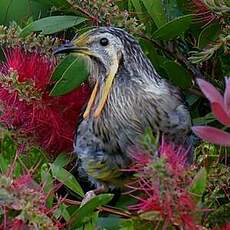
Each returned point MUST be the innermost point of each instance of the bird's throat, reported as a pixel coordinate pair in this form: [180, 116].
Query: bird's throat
[105, 92]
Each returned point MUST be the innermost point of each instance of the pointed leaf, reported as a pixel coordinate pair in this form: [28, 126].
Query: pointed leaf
[47, 182]
[156, 11]
[61, 68]
[67, 179]
[138, 9]
[208, 34]
[173, 28]
[84, 213]
[212, 94]
[227, 96]
[177, 74]
[198, 185]
[220, 113]
[52, 24]
[208, 118]
[74, 75]
[61, 4]
[62, 160]
[212, 135]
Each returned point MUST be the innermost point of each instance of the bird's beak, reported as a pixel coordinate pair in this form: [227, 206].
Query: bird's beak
[72, 48]
[80, 46]
[66, 48]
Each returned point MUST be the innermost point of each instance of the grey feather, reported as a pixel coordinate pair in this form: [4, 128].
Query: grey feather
[139, 99]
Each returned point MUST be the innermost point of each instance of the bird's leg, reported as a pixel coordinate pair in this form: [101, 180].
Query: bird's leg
[92, 193]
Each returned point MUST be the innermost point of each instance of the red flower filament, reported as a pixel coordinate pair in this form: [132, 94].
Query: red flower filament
[27, 107]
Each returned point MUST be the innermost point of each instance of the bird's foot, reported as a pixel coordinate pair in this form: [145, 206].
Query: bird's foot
[92, 193]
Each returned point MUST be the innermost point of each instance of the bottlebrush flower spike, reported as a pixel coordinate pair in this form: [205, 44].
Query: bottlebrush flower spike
[161, 186]
[25, 80]
[18, 224]
[220, 108]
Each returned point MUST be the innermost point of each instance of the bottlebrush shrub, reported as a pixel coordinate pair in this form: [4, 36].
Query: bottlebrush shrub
[161, 187]
[25, 104]
[221, 110]
[23, 202]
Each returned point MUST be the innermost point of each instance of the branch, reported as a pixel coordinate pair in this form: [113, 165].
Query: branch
[76, 7]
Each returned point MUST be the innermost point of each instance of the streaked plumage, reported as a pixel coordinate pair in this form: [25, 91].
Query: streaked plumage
[139, 98]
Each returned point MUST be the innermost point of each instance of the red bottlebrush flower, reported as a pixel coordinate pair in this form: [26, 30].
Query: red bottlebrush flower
[27, 107]
[22, 181]
[226, 227]
[161, 186]
[17, 224]
[176, 157]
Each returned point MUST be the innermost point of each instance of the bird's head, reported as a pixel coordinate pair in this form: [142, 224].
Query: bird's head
[106, 48]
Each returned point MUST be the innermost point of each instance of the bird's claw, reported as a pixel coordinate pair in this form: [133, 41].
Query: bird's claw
[92, 193]
[88, 196]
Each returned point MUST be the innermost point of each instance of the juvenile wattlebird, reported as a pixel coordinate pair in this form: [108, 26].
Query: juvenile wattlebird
[128, 96]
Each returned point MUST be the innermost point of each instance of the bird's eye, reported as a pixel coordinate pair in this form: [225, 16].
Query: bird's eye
[104, 41]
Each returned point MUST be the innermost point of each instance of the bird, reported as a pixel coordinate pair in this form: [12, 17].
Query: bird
[128, 96]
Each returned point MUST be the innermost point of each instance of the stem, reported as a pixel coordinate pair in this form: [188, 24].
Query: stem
[76, 7]
[107, 209]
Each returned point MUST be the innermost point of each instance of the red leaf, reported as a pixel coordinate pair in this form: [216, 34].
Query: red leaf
[213, 135]
[227, 96]
[220, 113]
[210, 92]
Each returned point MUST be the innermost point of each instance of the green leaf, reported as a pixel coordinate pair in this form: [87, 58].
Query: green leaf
[198, 185]
[61, 68]
[84, 213]
[62, 212]
[4, 164]
[20, 11]
[52, 24]
[138, 9]
[76, 73]
[47, 182]
[109, 222]
[173, 28]
[208, 118]
[177, 74]
[150, 52]
[208, 34]
[62, 160]
[58, 3]
[67, 179]
[156, 11]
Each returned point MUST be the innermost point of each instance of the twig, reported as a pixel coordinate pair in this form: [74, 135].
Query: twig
[107, 209]
[76, 7]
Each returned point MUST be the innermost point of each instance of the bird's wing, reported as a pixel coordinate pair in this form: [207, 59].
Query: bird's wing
[162, 108]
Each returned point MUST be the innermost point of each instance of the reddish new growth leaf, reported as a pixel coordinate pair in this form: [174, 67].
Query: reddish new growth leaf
[161, 186]
[220, 109]
[25, 81]
[202, 11]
